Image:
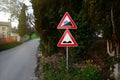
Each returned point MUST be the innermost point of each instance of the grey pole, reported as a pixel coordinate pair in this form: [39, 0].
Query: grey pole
[67, 57]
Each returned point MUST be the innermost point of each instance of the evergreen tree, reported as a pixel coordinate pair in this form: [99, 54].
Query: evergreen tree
[48, 15]
[22, 22]
[104, 15]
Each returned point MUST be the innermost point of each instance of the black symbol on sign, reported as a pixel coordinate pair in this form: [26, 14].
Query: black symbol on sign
[67, 23]
[67, 42]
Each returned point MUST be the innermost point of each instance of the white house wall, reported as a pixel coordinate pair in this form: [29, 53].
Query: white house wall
[6, 31]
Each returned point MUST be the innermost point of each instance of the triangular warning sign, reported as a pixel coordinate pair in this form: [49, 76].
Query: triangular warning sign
[67, 40]
[67, 22]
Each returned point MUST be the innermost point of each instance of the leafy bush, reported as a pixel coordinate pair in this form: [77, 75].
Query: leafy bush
[91, 71]
[88, 72]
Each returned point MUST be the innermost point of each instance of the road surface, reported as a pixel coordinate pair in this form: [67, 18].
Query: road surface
[19, 63]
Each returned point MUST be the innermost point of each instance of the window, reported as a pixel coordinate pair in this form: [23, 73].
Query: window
[3, 28]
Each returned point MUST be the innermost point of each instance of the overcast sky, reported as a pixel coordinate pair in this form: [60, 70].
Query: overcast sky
[6, 16]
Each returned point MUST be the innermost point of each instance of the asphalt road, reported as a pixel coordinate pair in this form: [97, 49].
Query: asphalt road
[19, 63]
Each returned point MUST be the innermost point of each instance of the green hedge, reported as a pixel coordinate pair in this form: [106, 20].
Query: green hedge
[9, 45]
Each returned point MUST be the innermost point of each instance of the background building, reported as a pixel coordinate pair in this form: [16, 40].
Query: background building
[5, 29]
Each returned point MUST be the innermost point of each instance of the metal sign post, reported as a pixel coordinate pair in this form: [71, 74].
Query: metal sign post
[67, 58]
[67, 40]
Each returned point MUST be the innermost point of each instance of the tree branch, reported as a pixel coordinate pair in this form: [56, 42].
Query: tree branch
[109, 50]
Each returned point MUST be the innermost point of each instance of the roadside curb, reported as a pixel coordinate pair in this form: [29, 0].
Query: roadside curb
[38, 69]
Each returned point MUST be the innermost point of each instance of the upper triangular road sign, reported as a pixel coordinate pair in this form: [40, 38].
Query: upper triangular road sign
[67, 40]
[67, 22]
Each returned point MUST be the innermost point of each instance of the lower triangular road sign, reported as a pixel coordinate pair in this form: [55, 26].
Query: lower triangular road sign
[67, 40]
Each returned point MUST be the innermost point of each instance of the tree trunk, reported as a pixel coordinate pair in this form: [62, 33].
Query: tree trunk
[110, 50]
[113, 47]
[30, 37]
[22, 39]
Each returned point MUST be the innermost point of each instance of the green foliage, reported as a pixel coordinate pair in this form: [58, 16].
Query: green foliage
[111, 60]
[119, 77]
[91, 17]
[22, 22]
[26, 37]
[99, 12]
[88, 72]
[30, 31]
[9, 45]
[51, 12]
[34, 36]
[104, 16]
[84, 36]
[46, 22]
[91, 73]
[60, 74]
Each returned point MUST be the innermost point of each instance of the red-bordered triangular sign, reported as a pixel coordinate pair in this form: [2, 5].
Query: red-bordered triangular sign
[67, 22]
[67, 40]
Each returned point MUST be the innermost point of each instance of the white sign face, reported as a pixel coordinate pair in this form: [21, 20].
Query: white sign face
[66, 22]
[67, 40]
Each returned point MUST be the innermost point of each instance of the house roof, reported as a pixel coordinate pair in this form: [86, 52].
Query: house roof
[4, 23]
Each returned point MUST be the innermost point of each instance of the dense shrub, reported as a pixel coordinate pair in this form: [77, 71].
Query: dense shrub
[89, 71]
[9, 45]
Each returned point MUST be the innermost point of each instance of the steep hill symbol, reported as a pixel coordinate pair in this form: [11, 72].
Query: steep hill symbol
[67, 23]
